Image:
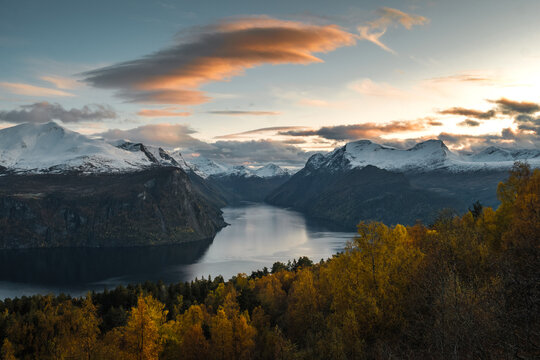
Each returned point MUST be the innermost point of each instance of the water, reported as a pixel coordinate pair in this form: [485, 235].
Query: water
[258, 236]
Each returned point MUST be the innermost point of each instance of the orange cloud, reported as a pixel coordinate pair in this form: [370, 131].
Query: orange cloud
[360, 131]
[61, 82]
[314, 102]
[370, 88]
[157, 134]
[31, 90]
[162, 113]
[391, 16]
[217, 53]
[373, 30]
[469, 112]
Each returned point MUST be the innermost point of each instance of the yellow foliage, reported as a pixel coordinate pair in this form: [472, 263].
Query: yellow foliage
[141, 335]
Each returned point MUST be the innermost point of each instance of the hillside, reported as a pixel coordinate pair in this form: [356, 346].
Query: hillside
[59, 188]
[465, 287]
[367, 181]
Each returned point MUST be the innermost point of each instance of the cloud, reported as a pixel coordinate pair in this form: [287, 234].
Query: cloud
[511, 107]
[367, 33]
[469, 122]
[61, 82]
[164, 134]
[260, 131]
[465, 77]
[528, 123]
[44, 112]
[370, 88]
[243, 112]
[360, 131]
[389, 17]
[216, 53]
[506, 138]
[256, 152]
[477, 114]
[31, 90]
[162, 113]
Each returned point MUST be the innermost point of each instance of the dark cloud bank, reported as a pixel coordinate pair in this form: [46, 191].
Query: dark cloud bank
[43, 112]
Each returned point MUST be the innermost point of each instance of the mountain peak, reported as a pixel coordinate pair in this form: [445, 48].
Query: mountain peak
[49, 147]
[424, 156]
[270, 170]
[430, 144]
[363, 142]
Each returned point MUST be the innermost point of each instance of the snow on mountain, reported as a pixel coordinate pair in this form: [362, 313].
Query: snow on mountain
[270, 170]
[205, 167]
[495, 154]
[50, 148]
[241, 170]
[156, 155]
[267, 171]
[427, 155]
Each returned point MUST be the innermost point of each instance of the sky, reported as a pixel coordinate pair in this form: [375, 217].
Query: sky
[251, 82]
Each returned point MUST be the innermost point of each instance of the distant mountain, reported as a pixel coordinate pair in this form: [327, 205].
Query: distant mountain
[60, 188]
[240, 186]
[205, 168]
[367, 181]
[271, 170]
[238, 183]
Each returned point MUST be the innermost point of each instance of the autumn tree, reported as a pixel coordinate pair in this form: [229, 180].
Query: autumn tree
[142, 333]
[7, 351]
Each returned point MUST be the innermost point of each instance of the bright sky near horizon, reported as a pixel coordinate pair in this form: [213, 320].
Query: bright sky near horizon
[252, 82]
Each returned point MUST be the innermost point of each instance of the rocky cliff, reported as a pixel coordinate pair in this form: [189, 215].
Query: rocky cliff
[149, 207]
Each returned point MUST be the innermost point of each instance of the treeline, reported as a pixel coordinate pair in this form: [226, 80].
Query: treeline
[466, 287]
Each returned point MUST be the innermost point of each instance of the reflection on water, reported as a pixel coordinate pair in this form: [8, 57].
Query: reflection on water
[258, 236]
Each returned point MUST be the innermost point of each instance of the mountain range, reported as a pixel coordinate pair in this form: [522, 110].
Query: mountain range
[60, 188]
[367, 181]
[51, 149]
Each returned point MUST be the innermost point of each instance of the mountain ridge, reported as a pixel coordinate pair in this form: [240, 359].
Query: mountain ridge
[364, 181]
[428, 155]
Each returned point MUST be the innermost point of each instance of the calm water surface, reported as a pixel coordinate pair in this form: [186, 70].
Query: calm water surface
[258, 236]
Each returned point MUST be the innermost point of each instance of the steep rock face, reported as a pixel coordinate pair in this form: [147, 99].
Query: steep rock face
[149, 207]
[346, 197]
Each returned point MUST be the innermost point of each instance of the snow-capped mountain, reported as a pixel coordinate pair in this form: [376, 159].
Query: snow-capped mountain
[271, 170]
[367, 181]
[205, 168]
[156, 155]
[424, 156]
[116, 206]
[494, 154]
[50, 148]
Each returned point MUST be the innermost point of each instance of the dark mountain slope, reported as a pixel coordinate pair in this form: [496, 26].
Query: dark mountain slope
[149, 207]
[347, 196]
[237, 188]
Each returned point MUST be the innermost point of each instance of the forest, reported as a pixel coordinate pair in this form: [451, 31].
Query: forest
[465, 287]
